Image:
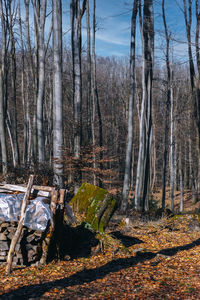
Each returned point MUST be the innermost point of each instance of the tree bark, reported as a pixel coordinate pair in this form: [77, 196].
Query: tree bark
[89, 129]
[95, 101]
[172, 151]
[13, 109]
[40, 17]
[76, 13]
[166, 143]
[57, 94]
[147, 34]
[2, 95]
[129, 147]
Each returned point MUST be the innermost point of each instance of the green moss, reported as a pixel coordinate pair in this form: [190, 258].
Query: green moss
[96, 204]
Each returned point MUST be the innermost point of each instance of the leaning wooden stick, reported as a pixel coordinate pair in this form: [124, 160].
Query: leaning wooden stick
[19, 227]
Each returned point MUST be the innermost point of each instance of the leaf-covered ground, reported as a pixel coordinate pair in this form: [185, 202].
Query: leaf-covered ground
[154, 260]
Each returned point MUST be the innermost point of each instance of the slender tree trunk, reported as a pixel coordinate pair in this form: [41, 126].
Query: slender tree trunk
[166, 143]
[57, 93]
[147, 33]
[2, 128]
[40, 17]
[181, 182]
[95, 97]
[129, 148]
[89, 129]
[33, 69]
[194, 80]
[24, 101]
[76, 16]
[172, 150]
[2, 95]
[13, 110]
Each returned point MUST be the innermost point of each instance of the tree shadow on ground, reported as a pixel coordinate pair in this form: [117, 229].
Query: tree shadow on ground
[89, 275]
[126, 240]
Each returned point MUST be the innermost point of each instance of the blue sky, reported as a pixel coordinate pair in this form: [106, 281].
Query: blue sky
[114, 24]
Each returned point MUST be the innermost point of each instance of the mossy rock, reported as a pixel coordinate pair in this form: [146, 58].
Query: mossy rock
[95, 205]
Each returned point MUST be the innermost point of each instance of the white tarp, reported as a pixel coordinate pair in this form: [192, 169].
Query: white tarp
[37, 215]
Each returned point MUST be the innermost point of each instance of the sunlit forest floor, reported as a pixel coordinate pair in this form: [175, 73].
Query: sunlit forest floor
[189, 204]
[143, 260]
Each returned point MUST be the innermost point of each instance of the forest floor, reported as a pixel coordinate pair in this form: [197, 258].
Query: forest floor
[143, 260]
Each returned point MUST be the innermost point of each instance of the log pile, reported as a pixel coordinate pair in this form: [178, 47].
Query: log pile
[28, 249]
[20, 245]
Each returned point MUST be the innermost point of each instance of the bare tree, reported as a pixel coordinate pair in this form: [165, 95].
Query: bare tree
[76, 17]
[77, 13]
[95, 99]
[2, 93]
[147, 35]
[172, 147]
[57, 93]
[89, 130]
[129, 147]
[166, 142]
[31, 77]
[194, 80]
[40, 18]
[12, 109]
[25, 100]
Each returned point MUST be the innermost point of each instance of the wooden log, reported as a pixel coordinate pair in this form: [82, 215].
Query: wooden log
[50, 230]
[54, 200]
[2, 258]
[39, 190]
[4, 246]
[3, 237]
[62, 198]
[20, 226]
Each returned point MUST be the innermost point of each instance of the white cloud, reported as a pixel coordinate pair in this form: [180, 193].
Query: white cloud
[109, 37]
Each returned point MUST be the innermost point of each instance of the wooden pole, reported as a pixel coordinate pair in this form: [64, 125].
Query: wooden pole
[62, 198]
[20, 226]
[47, 240]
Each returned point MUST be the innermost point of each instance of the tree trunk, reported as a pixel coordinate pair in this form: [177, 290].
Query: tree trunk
[172, 151]
[181, 182]
[2, 95]
[57, 93]
[13, 110]
[89, 129]
[147, 33]
[129, 148]
[76, 17]
[95, 98]
[40, 17]
[166, 143]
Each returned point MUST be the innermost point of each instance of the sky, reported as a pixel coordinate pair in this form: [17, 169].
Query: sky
[114, 26]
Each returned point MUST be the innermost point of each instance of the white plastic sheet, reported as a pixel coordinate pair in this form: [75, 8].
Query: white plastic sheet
[37, 214]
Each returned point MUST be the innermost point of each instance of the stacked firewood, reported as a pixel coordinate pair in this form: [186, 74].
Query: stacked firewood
[29, 247]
